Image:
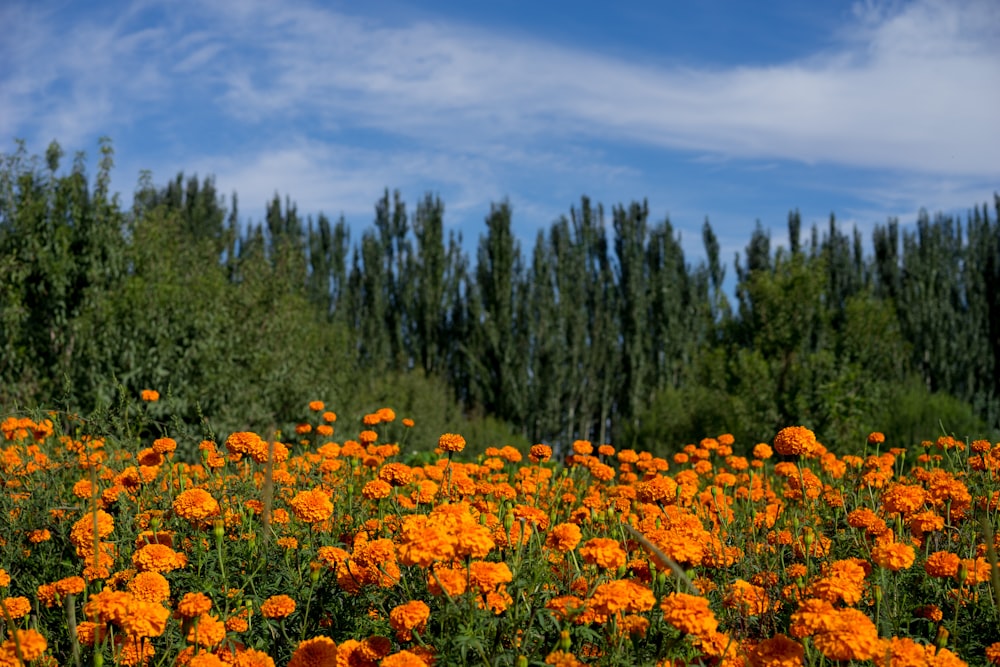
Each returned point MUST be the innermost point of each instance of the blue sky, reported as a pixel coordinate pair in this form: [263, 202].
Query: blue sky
[733, 110]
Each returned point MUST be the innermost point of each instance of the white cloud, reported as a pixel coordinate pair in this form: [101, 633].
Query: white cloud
[907, 88]
[891, 96]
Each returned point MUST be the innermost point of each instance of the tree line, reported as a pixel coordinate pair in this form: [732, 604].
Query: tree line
[601, 329]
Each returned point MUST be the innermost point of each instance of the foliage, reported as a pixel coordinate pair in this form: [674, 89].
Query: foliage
[605, 332]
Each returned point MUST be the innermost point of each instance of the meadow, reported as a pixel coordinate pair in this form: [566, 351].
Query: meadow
[345, 542]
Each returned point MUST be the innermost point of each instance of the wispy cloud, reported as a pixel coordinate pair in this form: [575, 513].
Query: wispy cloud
[887, 97]
[337, 106]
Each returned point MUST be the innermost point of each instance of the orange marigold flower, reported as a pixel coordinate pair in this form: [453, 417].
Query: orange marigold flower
[144, 619]
[485, 576]
[976, 571]
[277, 606]
[564, 537]
[108, 606]
[164, 445]
[451, 442]
[248, 443]
[778, 651]
[795, 440]
[312, 506]
[329, 417]
[618, 597]
[748, 599]
[207, 631]
[812, 616]
[239, 622]
[316, 406]
[408, 423]
[659, 489]
[195, 505]
[70, 586]
[452, 581]
[158, 558]
[205, 659]
[562, 659]
[88, 631]
[568, 607]
[324, 430]
[903, 498]
[374, 648]
[397, 474]
[193, 605]
[876, 438]
[843, 583]
[894, 556]
[150, 586]
[17, 607]
[897, 651]
[39, 536]
[4, 578]
[689, 614]
[403, 659]
[303, 429]
[993, 653]
[539, 453]
[848, 635]
[149, 395]
[603, 552]
[83, 489]
[376, 489]
[82, 533]
[30, 643]
[942, 564]
[409, 617]
[867, 519]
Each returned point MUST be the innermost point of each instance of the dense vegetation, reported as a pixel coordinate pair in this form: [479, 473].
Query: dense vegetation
[603, 330]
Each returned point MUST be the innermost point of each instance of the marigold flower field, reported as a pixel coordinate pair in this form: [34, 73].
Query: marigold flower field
[351, 546]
